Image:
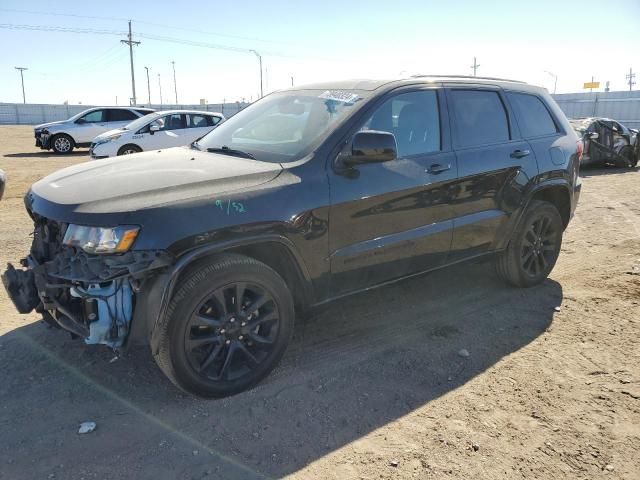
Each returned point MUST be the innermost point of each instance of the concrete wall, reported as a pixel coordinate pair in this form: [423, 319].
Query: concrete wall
[33, 114]
[621, 106]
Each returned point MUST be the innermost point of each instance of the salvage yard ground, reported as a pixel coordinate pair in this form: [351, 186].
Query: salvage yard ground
[373, 386]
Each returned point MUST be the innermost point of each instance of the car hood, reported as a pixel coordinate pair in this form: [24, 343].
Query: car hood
[104, 135]
[50, 124]
[145, 180]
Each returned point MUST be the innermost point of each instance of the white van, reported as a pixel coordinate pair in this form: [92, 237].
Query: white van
[170, 128]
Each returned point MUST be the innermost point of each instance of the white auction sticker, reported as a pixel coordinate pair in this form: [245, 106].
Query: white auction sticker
[339, 96]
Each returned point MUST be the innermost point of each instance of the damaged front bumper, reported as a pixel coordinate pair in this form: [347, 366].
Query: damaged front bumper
[91, 296]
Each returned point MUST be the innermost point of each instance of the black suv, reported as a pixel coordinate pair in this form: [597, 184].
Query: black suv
[208, 252]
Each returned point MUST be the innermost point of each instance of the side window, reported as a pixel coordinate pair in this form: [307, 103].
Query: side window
[533, 116]
[413, 118]
[198, 121]
[480, 117]
[144, 112]
[214, 120]
[173, 122]
[121, 115]
[96, 116]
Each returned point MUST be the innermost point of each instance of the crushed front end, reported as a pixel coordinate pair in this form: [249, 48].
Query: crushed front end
[92, 295]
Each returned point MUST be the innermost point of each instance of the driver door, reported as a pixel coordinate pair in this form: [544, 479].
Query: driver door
[172, 133]
[392, 219]
[90, 125]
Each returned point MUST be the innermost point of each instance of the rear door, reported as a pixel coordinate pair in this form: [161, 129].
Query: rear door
[538, 126]
[199, 125]
[392, 219]
[493, 163]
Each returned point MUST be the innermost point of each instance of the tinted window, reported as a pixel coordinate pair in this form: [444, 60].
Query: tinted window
[414, 120]
[117, 115]
[533, 117]
[144, 112]
[199, 121]
[95, 116]
[171, 122]
[480, 117]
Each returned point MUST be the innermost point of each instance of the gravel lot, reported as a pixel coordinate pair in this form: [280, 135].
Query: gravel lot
[372, 387]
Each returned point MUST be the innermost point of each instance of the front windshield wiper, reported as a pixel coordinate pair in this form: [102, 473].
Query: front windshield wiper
[230, 151]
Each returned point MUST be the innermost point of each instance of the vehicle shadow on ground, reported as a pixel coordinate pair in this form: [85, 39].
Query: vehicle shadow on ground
[586, 172]
[47, 154]
[353, 367]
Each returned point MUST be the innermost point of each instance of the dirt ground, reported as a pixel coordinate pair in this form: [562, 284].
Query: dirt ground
[372, 387]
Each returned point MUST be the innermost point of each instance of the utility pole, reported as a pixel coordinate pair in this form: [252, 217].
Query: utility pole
[292, 81]
[259, 61]
[160, 88]
[131, 43]
[631, 79]
[555, 80]
[475, 66]
[148, 85]
[175, 87]
[22, 69]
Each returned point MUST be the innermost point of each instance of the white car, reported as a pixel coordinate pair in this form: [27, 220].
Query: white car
[79, 130]
[170, 128]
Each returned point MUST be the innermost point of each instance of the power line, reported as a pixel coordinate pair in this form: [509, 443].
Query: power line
[153, 24]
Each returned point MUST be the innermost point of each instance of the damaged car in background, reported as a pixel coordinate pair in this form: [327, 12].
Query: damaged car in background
[607, 142]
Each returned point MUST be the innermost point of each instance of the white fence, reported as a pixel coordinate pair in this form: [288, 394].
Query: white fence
[33, 114]
[621, 106]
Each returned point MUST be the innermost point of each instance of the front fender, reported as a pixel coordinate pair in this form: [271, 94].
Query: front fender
[166, 285]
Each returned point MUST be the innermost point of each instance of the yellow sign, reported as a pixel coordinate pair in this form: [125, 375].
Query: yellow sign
[591, 85]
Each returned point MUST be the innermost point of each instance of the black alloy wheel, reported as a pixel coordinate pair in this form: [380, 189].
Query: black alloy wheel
[232, 331]
[538, 248]
[534, 246]
[226, 327]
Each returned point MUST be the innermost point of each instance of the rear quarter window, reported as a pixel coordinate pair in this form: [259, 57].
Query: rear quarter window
[532, 115]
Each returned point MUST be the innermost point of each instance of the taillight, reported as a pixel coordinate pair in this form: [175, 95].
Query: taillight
[580, 149]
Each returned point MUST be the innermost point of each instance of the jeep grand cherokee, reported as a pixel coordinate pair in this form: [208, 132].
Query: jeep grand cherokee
[208, 252]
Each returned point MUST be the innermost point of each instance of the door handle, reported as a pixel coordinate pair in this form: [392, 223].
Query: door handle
[520, 153]
[437, 168]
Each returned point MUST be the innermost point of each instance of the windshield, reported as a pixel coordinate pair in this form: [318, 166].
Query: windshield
[141, 122]
[286, 126]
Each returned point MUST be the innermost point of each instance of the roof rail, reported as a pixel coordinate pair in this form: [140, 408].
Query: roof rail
[469, 77]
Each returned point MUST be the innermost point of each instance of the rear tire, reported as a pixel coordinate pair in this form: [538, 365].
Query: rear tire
[129, 149]
[533, 248]
[62, 144]
[226, 327]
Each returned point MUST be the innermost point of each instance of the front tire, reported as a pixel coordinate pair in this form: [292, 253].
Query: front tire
[129, 149]
[62, 144]
[630, 158]
[534, 247]
[226, 327]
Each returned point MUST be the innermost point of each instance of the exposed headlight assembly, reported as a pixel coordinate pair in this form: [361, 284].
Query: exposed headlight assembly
[101, 240]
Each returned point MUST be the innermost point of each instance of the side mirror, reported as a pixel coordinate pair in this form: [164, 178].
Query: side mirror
[153, 129]
[594, 135]
[372, 146]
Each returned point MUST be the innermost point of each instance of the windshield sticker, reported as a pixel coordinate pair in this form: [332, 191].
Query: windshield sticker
[230, 207]
[339, 96]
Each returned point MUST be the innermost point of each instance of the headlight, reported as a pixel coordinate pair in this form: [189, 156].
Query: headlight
[108, 139]
[101, 240]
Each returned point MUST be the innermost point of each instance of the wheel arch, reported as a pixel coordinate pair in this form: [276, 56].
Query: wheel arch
[277, 252]
[558, 195]
[129, 144]
[63, 132]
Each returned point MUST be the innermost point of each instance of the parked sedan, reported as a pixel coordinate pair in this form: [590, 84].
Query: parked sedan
[79, 130]
[171, 128]
[607, 141]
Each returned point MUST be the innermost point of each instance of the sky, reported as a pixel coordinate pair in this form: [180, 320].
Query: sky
[304, 42]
